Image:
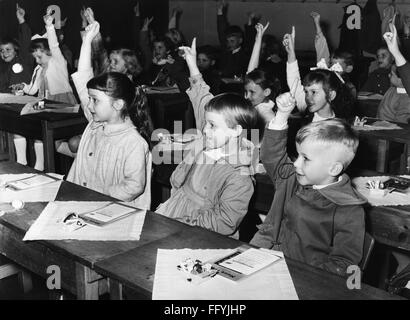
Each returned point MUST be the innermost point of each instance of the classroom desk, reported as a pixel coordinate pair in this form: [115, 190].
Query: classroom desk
[135, 269]
[367, 107]
[385, 137]
[44, 126]
[166, 108]
[76, 259]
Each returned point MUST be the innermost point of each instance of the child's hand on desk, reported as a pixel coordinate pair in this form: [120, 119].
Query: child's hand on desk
[285, 103]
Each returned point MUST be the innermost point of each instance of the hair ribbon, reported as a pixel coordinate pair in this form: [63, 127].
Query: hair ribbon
[336, 68]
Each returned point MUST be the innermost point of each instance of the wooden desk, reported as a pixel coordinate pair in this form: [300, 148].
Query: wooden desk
[367, 107]
[310, 282]
[76, 259]
[166, 108]
[44, 126]
[385, 137]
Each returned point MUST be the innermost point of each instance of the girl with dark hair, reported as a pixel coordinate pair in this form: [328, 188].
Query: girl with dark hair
[261, 87]
[49, 80]
[113, 156]
[213, 185]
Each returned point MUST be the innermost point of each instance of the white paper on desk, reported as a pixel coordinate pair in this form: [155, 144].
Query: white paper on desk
[53, 108]
[49, 225]
[378, 125]
[44, 193]
[390, 199]
[271, 283]
[11, 98]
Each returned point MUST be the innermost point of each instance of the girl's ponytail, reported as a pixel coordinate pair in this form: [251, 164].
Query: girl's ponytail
[138, 113]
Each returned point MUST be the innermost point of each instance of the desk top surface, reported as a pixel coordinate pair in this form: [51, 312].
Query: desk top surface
[87, 252]
[133, 262]
[135, 269]
[15, 109]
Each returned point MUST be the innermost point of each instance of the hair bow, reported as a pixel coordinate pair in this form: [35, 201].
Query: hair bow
[37, 36]
[336, 68]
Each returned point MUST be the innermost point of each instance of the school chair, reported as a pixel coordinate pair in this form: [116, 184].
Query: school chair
[8, 269]
[367, 251]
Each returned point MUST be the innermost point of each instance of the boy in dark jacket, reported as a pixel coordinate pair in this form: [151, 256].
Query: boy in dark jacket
[316, 216]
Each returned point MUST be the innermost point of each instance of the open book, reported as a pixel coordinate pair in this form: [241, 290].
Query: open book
[244, 262]
[36, 180]
[108, 214]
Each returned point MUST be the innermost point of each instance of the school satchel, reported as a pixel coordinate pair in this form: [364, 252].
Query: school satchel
[397, 283]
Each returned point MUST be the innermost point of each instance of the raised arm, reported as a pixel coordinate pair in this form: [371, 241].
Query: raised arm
[254, 61]
[24, 35]
[222, 22]
[144, 43]
[401, 63]
[292, 71]
[173, 20]
[136, 25]
[52, 37]
[85, 70]
[322, 49]
[199, 91]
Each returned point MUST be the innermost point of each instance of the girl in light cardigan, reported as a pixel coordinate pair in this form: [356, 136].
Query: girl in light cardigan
[50, 80]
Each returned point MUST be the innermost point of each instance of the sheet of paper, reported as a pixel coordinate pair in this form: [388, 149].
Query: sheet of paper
[50, 224]
[271, 283]
[11, 98]
[54, 108]
[390, 199]
[43, 193]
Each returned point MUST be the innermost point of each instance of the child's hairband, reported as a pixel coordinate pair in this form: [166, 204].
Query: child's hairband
[37, 36]
[336, 68]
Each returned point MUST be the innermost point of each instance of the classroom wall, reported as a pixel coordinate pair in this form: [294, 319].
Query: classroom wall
[199, 17]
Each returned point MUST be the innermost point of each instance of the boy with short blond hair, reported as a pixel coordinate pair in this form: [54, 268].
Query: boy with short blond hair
[316, 216]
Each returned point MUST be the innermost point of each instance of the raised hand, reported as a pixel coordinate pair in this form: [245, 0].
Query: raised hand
[91, 31]
[285, 103]
[176, 11]
[137, 9]
[289, 41]
[221, 6]
[89, 15]
[260, 30]
[20, 13]
[189, 53]
[147, 22]
[391, 39]
[63, 22]
[315, 16]
[48, 19]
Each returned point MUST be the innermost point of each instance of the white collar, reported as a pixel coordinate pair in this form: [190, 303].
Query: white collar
[318, 187]
[317, 118]
[269, 103]
[215, 154]
[236, 50]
